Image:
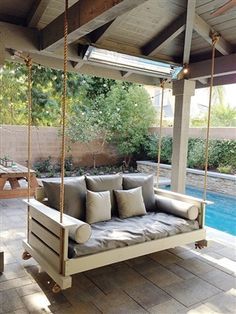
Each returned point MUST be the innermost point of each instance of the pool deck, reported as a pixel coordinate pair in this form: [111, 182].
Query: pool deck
[180, 280]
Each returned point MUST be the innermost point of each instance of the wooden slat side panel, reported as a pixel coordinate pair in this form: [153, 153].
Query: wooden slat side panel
[46, 252]
[45, 221]
[63, 281]
[46, 236]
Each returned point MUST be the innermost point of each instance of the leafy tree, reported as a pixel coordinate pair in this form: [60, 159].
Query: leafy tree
[222, 114]
[129, 114]
[87, 123]
[121, 115]
[46, 94]
[12, 96]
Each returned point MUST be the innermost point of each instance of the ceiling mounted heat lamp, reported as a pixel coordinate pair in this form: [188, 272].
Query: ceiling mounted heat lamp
[130, 63]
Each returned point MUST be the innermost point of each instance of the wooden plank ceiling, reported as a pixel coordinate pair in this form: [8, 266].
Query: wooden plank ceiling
[174, 31]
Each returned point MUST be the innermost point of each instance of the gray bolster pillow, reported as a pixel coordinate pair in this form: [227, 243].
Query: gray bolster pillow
[81, 232]
[175, 207]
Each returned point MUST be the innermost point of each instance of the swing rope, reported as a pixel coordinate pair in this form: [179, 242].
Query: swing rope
[215, 39]
[160, 135]
[28, 62]
[63, 114]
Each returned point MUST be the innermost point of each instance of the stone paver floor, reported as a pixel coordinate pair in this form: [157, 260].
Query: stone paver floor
[180, 280]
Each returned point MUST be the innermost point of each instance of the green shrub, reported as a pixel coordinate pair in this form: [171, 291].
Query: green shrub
[196, 153]
[69, 165]
[221, 153]
[151, 148]
[225, 169]
[43, 165]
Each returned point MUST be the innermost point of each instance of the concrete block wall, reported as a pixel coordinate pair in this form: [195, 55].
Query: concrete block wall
[216, 182]
[46, 142]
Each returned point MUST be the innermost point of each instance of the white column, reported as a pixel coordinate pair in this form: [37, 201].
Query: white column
[182, 90]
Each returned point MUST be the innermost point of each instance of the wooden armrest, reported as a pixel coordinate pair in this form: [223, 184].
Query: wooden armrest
[52, 214]
[181, 197]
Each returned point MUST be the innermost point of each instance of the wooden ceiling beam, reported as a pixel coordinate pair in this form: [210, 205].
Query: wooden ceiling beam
[83, 18]
[189, 30]
[26, 39]
[205, 30]
[37, 10]
[12, 19]
[2, 52]
[224, 65]
[19, 37]
[77, 65]
[219, 80]
[125, 74]
[163, 38]
[96, 35]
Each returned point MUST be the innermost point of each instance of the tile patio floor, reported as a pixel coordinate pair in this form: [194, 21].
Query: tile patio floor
[180, 280]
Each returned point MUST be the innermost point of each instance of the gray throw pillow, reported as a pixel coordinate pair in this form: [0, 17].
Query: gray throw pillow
[146, 182]
[130, 202]
[98, 206]
[75, 196]
[106, 183]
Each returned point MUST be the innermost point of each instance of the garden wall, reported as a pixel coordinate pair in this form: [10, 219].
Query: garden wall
[45, 142]
[217, 182]
[215, 133]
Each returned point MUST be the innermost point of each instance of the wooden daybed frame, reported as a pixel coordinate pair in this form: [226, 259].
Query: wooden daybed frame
[47, 241]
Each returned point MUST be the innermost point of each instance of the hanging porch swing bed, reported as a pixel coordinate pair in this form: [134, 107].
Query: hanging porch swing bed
[123, 217]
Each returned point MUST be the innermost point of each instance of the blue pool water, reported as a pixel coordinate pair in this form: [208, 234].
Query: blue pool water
[222, 214]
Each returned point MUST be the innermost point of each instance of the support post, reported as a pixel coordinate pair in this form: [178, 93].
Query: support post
[182, 90]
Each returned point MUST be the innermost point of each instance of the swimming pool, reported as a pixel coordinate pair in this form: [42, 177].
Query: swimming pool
[222, 214]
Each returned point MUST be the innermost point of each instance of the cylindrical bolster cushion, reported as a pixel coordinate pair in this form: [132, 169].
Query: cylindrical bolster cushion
[81, 232]
[175, 207]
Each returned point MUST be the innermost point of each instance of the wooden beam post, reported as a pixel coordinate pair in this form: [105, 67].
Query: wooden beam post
[84, 17]
[205, 30]
[37, 12]
[182, 90]
[189, 30]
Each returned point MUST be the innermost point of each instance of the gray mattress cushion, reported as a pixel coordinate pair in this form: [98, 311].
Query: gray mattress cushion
[119, 233]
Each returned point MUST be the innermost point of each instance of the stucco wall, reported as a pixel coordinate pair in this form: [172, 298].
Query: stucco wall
[215, 133]
[216, 182]
[46, 142]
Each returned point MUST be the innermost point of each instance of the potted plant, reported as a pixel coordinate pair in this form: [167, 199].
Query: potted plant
[6, 162]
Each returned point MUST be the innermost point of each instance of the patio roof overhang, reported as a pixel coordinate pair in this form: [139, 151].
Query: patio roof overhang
[176, 32]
